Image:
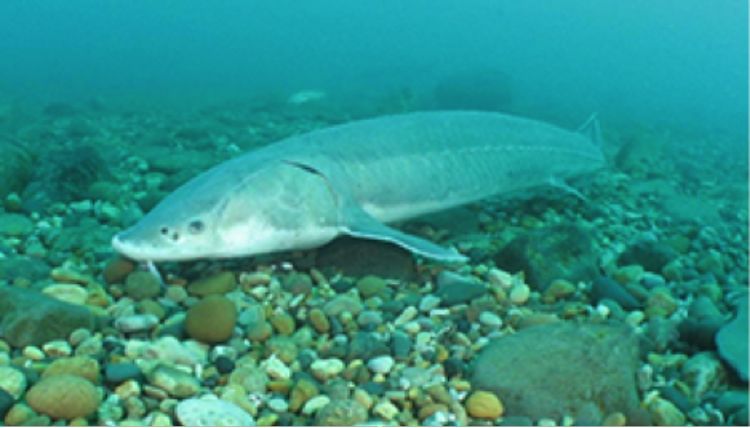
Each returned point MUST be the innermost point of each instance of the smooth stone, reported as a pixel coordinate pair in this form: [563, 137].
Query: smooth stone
[211, 320]
[15, 225]
[701, 333]
[83, 366]
[13, 381]
[607, 288]
[370, 286]
[370, 318]
[134, 323]
[382, 364]
[117, 269]
[219, 283]
[224, 364]
[490, 320]
[401, 345]
[142, 285]
[325, 369]
[552, 370]
[175, 382]
[31, 318]
[69, 293]
[454, 288]
[342, 303]
[366, 345]
[341, 413]
[212, 412]
[117, 373]
[484, 405]
[63, 397]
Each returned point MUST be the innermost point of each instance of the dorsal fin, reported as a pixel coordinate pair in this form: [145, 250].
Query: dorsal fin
[591, 129]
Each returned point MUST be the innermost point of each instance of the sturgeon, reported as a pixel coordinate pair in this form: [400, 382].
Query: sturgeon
[352, 179]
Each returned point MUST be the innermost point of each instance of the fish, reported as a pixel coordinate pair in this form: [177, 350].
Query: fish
[355, 178]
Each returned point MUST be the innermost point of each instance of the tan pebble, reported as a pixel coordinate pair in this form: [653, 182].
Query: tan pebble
[57, 348]
[159, 419]
[259, 331]
[127, 389]
[18, 415]
[558, 289]
[13, 381]
[83, 366]
[363, 398]
[117, 269]
[63, 397]
[283, 323]
[319, 321]
[386, 410]
[439, 393]
[302, 391]
[70, 293]
[429, 409]
[546, 422]
[665, 413]
[211, 320]
[250, 280]
[219, 283]
[79, 422]
[66, 275]
[484, 405]
[33, 353]
[267, 420]
[616, 419]
[520, 294]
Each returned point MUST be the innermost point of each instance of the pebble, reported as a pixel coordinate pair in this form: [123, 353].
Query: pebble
[454, 288]
[382, 364]
[490, 320]
[13, 381]
[370, 318]
[484, 405]
[520, 294]
[665, 413]
[401, 345]
[371, 285]
[135, 323]
[386, 410]
[176, 294]
[33, 353]
[117, 270]
[277, 369]
[558, 289]
[224, 364]
[342, 303]
[341, 413]
[211, 320]
[301, 392]
[70, 293]
[660, 303]
[117, 373]
[211, 412]
[407, 315]
[278, 405]
[319, 321]
[218, 283]
[57, 348]
[283, 323]
[63, 397]
[83, 366]
[142, 285]
[428, 303]
[313, 405]
[325, 369]
[15, 225]
[127, 389]
[616, 419]
[175, 382]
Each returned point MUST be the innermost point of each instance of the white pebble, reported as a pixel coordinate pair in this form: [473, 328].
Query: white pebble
[381, 364]
[71, 293]
[407, 315]
[490, 320]
[314, 404]
[277, 369]
[133, 323]
[519, 294]
[278, 405]
[57, 348]
[327, 368]
[33, 353]
[428, 303]
[386, 410]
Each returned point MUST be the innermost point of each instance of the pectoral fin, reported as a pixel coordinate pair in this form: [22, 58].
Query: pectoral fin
[361, 225]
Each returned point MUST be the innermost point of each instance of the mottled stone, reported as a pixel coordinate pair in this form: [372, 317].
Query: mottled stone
[63, 397]
[484, 405]
[211, 320]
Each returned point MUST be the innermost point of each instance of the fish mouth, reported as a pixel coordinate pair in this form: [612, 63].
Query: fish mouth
[127, 249]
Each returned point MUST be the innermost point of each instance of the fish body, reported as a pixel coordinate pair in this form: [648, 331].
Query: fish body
[353, 178]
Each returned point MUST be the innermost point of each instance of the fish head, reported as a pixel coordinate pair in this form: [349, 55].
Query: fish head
[221, 214]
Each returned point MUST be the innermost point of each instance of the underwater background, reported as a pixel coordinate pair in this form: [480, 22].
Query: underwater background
[626, 306]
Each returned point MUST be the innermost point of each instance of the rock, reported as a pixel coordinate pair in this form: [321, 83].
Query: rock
[297, 283]
[82, 366]
[660, 303]
[665, 413]
[30, 318]
[369, 320]
[382, 364]
[134, 323]
[211, 320]
[63, 397]
[70, 293]
[207, 412]
[23, 267]
[282, 322]
[401, 345]
[652, 255]
[219, 283]
[386, 410]
[731, 340]
[341, 413]
[703, 372]
[545, 254]
[484, 405]
[359, 257]
[519, 294]
[117, 269]
[15, 225]
[341, 303]
[370, 286]
[6, 402]
[553, 370]
[319, 321]
[453, 288]
[558, 289]
[700, 333]
[314, 404]
[117, 373]
[325, 369]
[175, 382]
[490, 320]
[12, 381]
[607, 288]
[366, 345]
[16, 167]
[142, 285]
[732, 402]
[302, 391]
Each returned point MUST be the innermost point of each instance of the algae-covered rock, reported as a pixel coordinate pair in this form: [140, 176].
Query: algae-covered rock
[732, 340]
[30, 318]
[549, 253]
[586, 371]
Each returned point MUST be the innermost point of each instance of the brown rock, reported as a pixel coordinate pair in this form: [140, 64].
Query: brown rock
[211, 320]
[219, 283]
[117, 269]
[484, 405]
[63, 397]
[83, 366]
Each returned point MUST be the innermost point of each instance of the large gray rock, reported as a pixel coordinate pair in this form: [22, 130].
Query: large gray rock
[552, 370]
[732, 340]
[29, 317]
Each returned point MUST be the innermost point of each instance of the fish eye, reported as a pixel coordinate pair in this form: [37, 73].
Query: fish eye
[196, 226]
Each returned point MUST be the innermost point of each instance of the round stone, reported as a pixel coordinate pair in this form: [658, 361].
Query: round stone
[224, 364]
[382, 364]
[12, 381]
[212, 412]
[219, 283]
[63, 397]
[142, 285]
[70, 293]
[327, 368]
[319, 321]
[211, 320]
[484, 405]
[83, 366]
